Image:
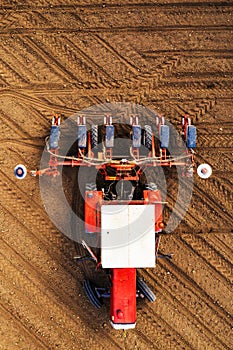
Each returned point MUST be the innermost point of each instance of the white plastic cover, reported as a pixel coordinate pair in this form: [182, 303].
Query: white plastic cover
[127, 236]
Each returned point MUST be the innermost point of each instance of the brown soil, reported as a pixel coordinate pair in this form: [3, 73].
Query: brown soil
[63, 56]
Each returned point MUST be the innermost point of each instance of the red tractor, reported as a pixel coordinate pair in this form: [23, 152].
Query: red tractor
[122, 215]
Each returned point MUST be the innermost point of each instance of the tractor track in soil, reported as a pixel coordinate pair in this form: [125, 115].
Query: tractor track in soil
[139, 87]
[63, 302]
[187, 307]
[22, 329]
[205, 250]
[201, 5]
[119, 30]
[162, 56]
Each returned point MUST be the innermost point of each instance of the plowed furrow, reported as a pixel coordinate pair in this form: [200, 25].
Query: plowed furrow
[19, 335]
[131, 29]
[27, 303]
[186, 304]
[200, 280]
[10, 123]
[65, 306]
[44, 63]
[28, 98]
[75, 67]
[216, 140]
[206, 251]
[212, 202]
[9, 19]
[26, 214]
[210, 256]
[222, 242]
[10, 75]
[166, 336]
[205, 5]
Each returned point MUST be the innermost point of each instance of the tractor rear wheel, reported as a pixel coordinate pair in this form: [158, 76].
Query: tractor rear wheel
[91, 294]
[145, 290]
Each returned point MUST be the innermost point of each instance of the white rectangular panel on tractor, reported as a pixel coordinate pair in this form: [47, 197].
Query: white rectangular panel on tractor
[127, 236]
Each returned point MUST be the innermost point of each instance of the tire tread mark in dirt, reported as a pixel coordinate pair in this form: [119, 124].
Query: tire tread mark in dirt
[210, 201]
[54, 47]
[159, 95]
[36, 340]
[27, 213]
[91, 62]
[50, 61]
[185, 306]
[13, 126]
[201, 108]
[8, 19]
[198, 290]
[98, 71]
[59, 291]
[37, 101]
[222, 246]
[215, 140]
[94, 6]
[120, 29]
[210, 255]
[10, 75]
[220, 190]
[25, 293]
[44, 49]
[67, 261]
[192, 53]
[215, 259]
[167, 329]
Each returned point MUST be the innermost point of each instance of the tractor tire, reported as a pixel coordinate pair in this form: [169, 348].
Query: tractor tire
[145, 290]
[94, 136]
[91, 294]
[148, 137]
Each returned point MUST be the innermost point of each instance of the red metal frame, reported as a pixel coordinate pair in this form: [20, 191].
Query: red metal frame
[123, 296]
[123, 281]
[93, 201]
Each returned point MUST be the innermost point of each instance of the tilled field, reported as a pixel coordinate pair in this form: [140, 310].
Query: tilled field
[63, 56]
